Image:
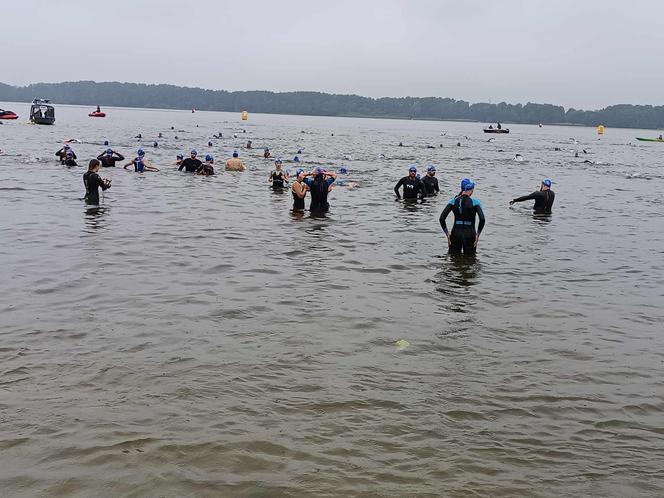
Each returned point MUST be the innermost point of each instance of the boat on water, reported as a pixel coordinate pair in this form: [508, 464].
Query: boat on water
[496, 130]
[8, 114]
[642, 139]
[42, 112]
[97, 114]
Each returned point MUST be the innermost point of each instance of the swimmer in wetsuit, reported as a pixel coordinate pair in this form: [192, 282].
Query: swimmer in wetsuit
[320, 186]
[191, 164]
[141, 164]
[207, 168]
[278, 176]
[266, 153]
[543, 198]
[412, 186]
[178, 159]
[109, 158]
[465, 209]
[62, 153]
[92, 182]
[299, 190]
[70, 159]
[430, 181]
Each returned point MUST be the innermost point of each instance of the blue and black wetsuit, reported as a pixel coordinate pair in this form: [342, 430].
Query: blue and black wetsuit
[319, 187]
[543, 200]
[465, 209]
[139, 167]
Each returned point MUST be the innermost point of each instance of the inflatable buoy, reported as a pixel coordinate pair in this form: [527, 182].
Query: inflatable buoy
[97, 114]
[245, 115]
[600, 130]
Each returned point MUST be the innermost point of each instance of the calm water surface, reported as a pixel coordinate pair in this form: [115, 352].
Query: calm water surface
[192, 337]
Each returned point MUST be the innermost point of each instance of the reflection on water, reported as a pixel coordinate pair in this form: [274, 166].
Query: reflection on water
[96, 217]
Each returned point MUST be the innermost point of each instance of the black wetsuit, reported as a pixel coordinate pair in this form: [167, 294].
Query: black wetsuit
[92, 182]
[411, 188]
[70, 162]
[465, 209]
[62, 155]
[430, 185]
[319, 187]
[109, 161]
[277, 178]
[190, 165]
[543, 200]
[298, 203]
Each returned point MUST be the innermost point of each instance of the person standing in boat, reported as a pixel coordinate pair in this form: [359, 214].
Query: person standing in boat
[499, 127]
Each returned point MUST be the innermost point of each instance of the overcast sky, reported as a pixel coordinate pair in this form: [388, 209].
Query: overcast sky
[582, 53]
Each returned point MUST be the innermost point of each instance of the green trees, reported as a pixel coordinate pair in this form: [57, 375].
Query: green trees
[323, 104]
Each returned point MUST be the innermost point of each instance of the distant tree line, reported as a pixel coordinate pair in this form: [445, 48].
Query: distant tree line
[324, 104]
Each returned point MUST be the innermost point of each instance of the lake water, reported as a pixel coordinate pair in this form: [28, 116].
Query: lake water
[192, 337]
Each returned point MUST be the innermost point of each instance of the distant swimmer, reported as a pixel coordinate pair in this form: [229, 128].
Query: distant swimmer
[178, 159]
[248, 144]
[155, 144]
[93, 182]
[207, 168]
[660, 137]
[235, 163]
[62, 153]
[299, 151]
[70, 159]
[105, 142]
[557, 149]
[320, 186]
[140, 163]
[430, 181]
[463, 236]
[160, 135]
[278, 176]
[400, 144]
[458, 144]
[209, 144]
[234, 135]
[266, 153]
[299, 190]
[109, 158]
[296, 159]
[192, 163]
[518, 157]
[491, 140]
[139, 136]
[543, 198]
[429, 146]
[412, 186]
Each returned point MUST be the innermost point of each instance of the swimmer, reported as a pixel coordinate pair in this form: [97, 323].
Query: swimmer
[299, 151]
[234, 135]
[431, 182]
[412, 186]
[543, 198]
[70, 159]
[465, 209]
[209, 144]
[278, 176]
[299, 190]
[235, 163]
[105, 142]
[518, 158]
[62, 153]
[266, 153]
[155, 144]
[141, 164]
[160, 135]
[191, 164]
[428, 146]
[320, 186]
[178, 159]
[139, 136]
[207, 168]
[458, 144]
[92, 182]
[343, 170]
[176, 137]
[400, 144]
[109, 157]
[557, 149]
[296, 159]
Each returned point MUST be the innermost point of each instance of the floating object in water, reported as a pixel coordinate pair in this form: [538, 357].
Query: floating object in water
[600, 130]
[540, 125]
[402, 344]
[97, 114]
[641, 139]
[518, 157]
[8, 114]
[41, 112]
[245, 115]
[496, 130]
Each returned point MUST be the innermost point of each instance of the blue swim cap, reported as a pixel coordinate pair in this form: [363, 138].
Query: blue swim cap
[67, 146]
[209, 158]
[431, 168]
[105, 142]
[298, 171]
[341, 183]
[319, 170]
[140, 152]
[412, 168]
[193, 152]
[343, 170]
[235, 154]
[109, 151]
[546, 182]
[180, 156]
[278, 161]
[70, 153]
[296, 159]
[209, 144]
[467, 184]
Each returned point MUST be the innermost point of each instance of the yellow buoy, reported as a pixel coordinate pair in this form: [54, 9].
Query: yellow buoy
[402, 344]
[600, 130]
[245, 115]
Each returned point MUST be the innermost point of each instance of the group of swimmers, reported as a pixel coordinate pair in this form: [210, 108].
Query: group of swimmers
[318, 183]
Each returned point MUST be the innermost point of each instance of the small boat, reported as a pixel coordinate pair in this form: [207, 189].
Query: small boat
[650, 139]
[42, 112]
[496, 130]
[8, 114]
[96, 114]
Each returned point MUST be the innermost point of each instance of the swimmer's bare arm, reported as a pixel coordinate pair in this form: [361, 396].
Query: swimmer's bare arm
[130, 163]
[149, 166]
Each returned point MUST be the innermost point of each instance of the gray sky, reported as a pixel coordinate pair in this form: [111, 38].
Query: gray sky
[583, 53]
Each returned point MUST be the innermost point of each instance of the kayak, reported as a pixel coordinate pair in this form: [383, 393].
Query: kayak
[8, 114]
[97, 114]
[650, 139]
[496, 130]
